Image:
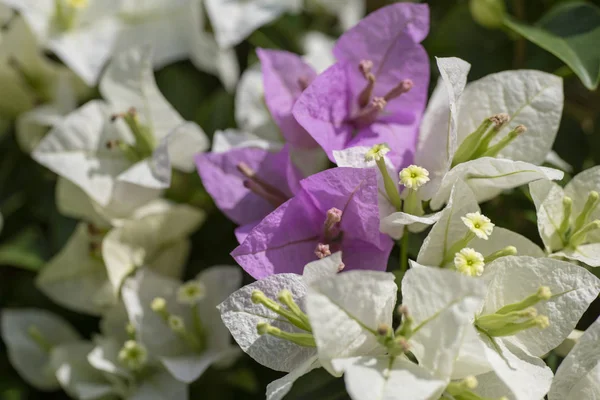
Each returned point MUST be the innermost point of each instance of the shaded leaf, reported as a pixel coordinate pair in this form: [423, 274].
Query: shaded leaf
[571, 32]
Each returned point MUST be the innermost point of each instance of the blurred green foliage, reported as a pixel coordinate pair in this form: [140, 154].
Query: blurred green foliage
[34, 231]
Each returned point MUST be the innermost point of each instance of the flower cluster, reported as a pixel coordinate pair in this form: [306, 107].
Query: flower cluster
[481, 306]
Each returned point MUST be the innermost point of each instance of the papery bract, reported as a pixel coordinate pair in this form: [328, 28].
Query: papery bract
[335, 109]
[455, 111]
[30, 336]
[233, 21]
[241, 316]
[185, 362]
[285, 76]
[560, 232]
[287, 239]
[578, 376]
[101, 154]
[223, 177]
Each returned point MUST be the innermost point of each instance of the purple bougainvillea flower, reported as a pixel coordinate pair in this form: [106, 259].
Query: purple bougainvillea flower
[334, 210]
[377, 90]
[248, 183]
[285, 76]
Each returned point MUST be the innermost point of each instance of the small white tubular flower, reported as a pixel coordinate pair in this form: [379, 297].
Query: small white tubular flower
[159, 304]
[469, 262]
[413, 176]
[191, 292]
[176, 323]
[133, 355]
[377, 152]
[479, 224]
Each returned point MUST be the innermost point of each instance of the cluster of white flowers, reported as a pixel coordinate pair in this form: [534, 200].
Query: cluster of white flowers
[480, 305]
[115, 157]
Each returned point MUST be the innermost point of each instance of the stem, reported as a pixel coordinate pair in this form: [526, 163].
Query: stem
[404, 253]
[520, 44]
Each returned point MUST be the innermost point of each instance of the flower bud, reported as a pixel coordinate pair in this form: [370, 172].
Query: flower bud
[488, 13]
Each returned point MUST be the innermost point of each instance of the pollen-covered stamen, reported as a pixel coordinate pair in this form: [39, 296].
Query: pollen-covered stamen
[493, 151]
[563, 229]
[478, 141]
[261, 188]
[259, 297]
[301, 339]
[590, 206]
[365, 67]
[377, 154]
[367, 115]
[579, 237]
[322, 250]
[507, 251]
[331, 227]
[406, 325]
[516, 317]
[144, 140]
[177, 325]
[403, 87]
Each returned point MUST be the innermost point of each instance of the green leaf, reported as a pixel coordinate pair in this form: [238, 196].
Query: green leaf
[23, 251]
[570, 31]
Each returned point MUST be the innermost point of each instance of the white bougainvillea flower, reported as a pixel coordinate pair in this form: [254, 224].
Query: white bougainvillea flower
[38, 91]
[530, 307]
[318, 49]
[251, 113]
[392, 221]
[345, 310]
[156, 237]
[578, 376]
[77, 377]
[186, 336]
[461, 225]
[293, 349]
[31, 335]
[30, 78]
[84, 35]
[132, 372]
[134, 137]
[73, 202]
[569, 218]
[233, 21]
[347, 318]
[503, 151]
[232, 139]
[206, 54]
[86, 274]
[76, 277]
